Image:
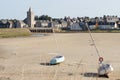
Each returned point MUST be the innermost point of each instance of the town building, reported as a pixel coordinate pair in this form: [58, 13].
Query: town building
[75, 27]
[21, 24]
[4, 24]
[112, 19]
[44, 21]
[30, 18]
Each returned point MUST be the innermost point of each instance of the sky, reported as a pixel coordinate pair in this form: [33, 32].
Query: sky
[16, 9]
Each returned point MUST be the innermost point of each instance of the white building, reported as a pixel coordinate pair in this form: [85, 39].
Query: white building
[21, 24]
[75, 26]
[112, 19]
[116, 26]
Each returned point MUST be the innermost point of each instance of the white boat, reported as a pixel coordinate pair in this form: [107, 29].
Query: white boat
[57, 60]
[105, 69]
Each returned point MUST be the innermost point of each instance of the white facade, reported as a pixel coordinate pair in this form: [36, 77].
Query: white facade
[103, 26]
[21, 24]
[112, 18]
[11, 24]
[116, 26]
[75, 26]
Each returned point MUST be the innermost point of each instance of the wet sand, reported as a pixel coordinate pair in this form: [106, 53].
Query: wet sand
[25, 58]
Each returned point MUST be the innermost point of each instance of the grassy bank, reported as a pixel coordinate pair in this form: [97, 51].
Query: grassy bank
[16, 32]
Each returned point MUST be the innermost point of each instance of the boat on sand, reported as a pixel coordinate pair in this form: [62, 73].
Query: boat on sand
[57, 59]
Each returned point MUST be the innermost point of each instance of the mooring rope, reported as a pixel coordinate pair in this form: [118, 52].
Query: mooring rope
[56, 42]
[93, 41]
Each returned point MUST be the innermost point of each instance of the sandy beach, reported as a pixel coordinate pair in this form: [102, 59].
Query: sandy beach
[25, 58]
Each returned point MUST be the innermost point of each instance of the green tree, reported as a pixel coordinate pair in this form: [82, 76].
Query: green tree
[105, 18]
[45, 17]
[36, 18]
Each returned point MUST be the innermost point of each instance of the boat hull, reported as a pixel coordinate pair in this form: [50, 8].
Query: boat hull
[57, 60]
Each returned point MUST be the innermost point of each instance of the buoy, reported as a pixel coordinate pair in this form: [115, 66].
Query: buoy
[104, 69]
[101, 59]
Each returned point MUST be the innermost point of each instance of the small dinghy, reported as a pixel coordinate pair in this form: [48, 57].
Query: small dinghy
[104, 69]
[57, 60]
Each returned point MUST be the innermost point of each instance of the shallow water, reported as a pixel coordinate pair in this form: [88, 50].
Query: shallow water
[39, 35]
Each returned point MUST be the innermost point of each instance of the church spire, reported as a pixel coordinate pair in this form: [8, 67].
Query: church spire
[30, 18]
[30, 9]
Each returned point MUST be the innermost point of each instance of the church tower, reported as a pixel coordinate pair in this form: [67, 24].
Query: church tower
[30, 18]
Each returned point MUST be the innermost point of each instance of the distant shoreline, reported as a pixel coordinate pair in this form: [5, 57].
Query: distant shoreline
[50, 30]
[92, 31]
[22, 32]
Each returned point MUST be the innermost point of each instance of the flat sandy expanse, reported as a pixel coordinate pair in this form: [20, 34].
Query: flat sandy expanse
[25, 58]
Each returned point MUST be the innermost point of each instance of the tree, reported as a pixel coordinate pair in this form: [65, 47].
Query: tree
[45, 17]
[36, 18]
[105, 19]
